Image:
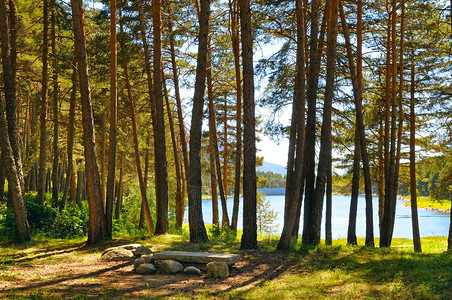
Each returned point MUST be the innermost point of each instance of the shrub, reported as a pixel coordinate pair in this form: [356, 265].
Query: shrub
[40, 217]
[70, 223]
[217, 233]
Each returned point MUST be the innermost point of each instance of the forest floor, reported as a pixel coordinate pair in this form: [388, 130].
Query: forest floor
[69, 269]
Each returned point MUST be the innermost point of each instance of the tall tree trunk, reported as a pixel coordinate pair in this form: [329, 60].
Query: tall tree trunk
[70, 138]
[387, 224]
[178, 198]
[309, 155]
[329, 203]
[249, 237]
[212, 148]
[325, 138]
[294, 183]
[10, 81]
[361, 129]
[351, 232]
[9, 134]
[234, 12]
[144, 200]
[180, 116]
[109, 201]
[97, 229]
[213, 134]
[225, 149]
[197, 230]
[146, 176]
[413, 185]
[103, 146]
[161, 176]
[44, 83]
[119, 195]
[55, 173]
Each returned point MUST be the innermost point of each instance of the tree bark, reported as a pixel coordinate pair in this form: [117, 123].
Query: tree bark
[119, 195]
[311, 96]
[9, 134]
[110, 194]
[249, 237]
[44, 83]
[294, 183]
[351, 232]
[325, 138]
[70, 139]
[180, 116]
[197, 230]
[361, 129]
[55, 165]
[212, 149]
[144, 200]
[413, 184]
[97, 229]
[161, 176]
[238, 86]
[9, 54]
[387, 224]
[213, 135]
[178, 199]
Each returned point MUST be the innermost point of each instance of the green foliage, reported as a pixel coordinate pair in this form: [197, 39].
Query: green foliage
[217, 233]
[265, 216]
[71, 223]
[40, 217]
[435, 177]
[6, 223]
[272, 180]
[46, 221]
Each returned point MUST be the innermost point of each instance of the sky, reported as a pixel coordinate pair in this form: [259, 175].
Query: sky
[272, 151]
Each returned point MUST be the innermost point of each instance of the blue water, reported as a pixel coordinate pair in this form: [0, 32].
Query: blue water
[431, 223]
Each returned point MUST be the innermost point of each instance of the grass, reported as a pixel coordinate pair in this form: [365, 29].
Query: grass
[338, 271]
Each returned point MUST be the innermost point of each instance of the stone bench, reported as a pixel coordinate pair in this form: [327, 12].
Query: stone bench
[197, 257]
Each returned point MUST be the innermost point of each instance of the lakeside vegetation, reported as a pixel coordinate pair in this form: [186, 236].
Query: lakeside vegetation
[431, 203]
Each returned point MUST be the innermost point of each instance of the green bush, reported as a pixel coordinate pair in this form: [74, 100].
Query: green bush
[217, 233]
[45, 220]
[70, 223]
[6, 223]
[40, 217]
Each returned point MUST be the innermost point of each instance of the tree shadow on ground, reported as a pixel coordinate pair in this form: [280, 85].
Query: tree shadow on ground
[117, 279]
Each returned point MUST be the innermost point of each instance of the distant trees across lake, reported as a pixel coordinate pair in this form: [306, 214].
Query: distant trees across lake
[271, 180]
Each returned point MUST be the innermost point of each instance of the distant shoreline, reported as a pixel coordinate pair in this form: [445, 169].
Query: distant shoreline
[430, 208]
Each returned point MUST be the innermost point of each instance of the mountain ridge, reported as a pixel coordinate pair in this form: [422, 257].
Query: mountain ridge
[271, 167]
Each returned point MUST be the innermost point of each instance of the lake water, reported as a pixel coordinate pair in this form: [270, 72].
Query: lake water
[431, 223]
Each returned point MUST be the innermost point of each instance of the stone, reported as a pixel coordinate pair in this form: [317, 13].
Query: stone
[148, 258]
[197, 257]
[109, 249]
[192, 270]
[130, 246]
[217, 269]
[139, 261]
[117, 255]
[170, 267]
[142, 250]
[146, 269]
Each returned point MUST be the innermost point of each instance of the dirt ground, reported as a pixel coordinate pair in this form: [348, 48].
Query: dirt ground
[77, 271]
